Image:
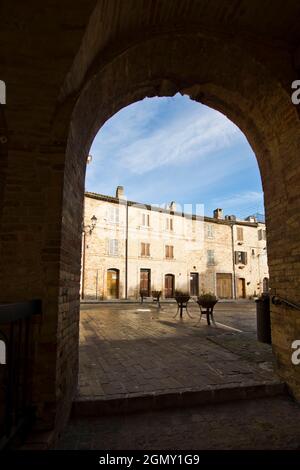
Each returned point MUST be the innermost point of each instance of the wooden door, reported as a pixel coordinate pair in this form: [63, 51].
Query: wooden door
[169, 286]
[224, 286]
[194, 283]
[113, 283]
[241, 288]
[145, 282]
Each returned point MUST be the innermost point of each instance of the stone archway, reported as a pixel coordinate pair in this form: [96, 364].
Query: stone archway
[226, 77]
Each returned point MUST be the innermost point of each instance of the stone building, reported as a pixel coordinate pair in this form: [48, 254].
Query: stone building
[85, 63]
[130, 247]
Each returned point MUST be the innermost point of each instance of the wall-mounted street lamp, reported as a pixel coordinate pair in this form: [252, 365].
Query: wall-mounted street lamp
[93, 224]
[86, 229]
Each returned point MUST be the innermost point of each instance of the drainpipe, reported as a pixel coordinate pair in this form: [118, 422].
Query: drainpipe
[233, 263]
[126, 252]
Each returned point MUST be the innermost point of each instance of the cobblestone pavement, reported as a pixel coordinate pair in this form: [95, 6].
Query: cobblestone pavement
[269, 423]
[129, 349]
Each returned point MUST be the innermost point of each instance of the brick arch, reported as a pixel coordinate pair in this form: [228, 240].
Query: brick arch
[230, 79]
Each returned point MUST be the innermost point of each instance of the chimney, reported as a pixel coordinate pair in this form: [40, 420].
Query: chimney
[218, 213]
[120, 192]
[173, 206]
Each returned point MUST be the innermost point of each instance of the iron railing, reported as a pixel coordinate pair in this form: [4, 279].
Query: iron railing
[277, 300]
[16, 328]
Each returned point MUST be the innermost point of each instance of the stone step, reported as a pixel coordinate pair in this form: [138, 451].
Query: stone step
[93, 407]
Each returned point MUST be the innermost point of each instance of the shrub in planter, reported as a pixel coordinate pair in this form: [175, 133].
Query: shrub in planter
[156, 294]
[207, 300]
[181, 296]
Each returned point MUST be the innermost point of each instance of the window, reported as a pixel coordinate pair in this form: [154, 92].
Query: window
[113, 214]
[210, 231]
[240, 234]
[146, 220]
[253, 252]
[210, 257]
[262, 234]
[169, 251]
[112, 247]
[240, 257]
[145, 249]
[169, 224]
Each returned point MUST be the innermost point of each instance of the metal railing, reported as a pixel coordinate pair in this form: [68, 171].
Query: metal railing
[277, 300]
[15, 367]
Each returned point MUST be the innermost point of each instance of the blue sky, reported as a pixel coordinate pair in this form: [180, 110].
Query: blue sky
[174, 149]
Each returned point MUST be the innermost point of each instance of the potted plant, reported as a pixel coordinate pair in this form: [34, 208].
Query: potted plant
[182, 299]
[207, 300]
[181, 296]
[156, 296]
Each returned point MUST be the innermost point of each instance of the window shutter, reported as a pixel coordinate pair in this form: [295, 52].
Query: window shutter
[260, 234]
[236, 257]
[244, 257]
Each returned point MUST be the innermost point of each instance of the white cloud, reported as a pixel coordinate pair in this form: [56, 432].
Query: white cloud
[185, 139]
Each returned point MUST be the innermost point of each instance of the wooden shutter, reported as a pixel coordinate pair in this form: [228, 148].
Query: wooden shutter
[236, 257]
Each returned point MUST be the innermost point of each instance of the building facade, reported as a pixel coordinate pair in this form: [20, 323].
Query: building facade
[130, 247]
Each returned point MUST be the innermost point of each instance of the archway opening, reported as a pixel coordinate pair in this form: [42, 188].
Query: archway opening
[143, 71]
[166, 250]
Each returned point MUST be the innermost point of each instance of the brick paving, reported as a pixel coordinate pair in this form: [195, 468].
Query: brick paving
[127, 350]
[268, 423]
[131, 349]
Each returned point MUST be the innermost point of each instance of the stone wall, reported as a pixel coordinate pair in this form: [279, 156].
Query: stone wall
[191, 239]
[67, 72]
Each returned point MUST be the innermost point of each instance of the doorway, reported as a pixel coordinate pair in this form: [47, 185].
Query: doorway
[169, 286]
[241, 288]
[113, 283]
[194, 284]
[224, 286]
[145, 281]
